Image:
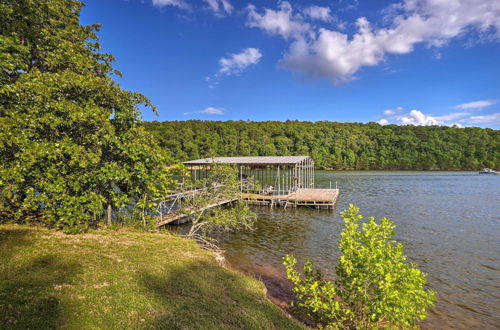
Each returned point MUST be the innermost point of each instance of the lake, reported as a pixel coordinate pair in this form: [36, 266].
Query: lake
[447, 221]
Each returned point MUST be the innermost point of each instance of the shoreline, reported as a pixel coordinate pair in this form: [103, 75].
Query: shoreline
[278, 291]
[125, 279]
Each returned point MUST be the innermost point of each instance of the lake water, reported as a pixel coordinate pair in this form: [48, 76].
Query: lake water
[449, 223]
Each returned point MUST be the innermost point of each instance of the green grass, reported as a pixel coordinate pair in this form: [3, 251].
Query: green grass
[124, 279]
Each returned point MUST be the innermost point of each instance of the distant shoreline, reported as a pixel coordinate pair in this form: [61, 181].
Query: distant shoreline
[335, 146]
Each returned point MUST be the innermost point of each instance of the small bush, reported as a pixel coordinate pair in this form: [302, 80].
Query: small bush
[375, 286]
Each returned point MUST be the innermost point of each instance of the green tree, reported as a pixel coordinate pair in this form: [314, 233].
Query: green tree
[220, 185]
[336, 145]
[375, 286]
[71, 140]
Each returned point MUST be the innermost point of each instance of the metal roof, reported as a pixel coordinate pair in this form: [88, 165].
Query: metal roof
[251, 160]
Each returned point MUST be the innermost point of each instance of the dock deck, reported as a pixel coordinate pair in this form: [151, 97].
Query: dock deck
[318, 198]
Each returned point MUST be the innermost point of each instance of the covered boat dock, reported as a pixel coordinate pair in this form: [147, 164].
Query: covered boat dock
[272, 180]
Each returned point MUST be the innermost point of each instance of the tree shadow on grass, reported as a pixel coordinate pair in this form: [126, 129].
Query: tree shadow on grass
[203, 295]
[12, 241]
[27, 296]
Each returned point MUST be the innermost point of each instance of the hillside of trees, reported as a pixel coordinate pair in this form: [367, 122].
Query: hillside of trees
[335, 145]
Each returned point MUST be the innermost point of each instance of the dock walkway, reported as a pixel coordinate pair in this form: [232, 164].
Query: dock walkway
[180, 216]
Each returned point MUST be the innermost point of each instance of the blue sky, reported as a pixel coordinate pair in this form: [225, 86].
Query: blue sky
[417, 62]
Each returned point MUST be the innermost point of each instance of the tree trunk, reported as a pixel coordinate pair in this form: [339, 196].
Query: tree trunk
[110, 215]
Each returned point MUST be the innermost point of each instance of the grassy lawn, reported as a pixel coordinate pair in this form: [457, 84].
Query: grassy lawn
[124, 279]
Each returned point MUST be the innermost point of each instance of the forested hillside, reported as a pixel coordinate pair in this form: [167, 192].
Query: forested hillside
[335, 145]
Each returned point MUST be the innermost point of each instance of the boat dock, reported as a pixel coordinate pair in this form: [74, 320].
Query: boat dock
[274, 181]
[309, 197]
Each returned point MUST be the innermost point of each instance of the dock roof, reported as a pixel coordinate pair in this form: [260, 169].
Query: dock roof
[251, 160]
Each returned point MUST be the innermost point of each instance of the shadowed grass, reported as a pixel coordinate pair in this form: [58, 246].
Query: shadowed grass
[124, 279]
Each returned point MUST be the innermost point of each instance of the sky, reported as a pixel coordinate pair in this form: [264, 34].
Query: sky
[408, 62]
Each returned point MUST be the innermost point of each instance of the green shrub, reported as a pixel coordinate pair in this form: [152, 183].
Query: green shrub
[374, 287]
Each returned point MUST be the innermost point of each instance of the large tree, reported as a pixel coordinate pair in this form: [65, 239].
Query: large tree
[71, 141]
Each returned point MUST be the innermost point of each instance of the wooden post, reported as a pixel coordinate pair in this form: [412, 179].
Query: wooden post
[310, 173]
[284, 177]
[295, 177]
[300, 175]
[303, 183]
[308, 169]
[263, 176]
[110, 214]
[264, 171]
[267, 175]
[279, 183]
[307, 172]
[313, 173]
[287, 174]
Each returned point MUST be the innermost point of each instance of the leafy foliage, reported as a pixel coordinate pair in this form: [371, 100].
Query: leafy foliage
[316, 296]
[335, 145]
[375, 286]
[221, 184]
[71, 140]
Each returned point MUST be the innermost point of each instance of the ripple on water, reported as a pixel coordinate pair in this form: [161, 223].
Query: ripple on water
[448, 222]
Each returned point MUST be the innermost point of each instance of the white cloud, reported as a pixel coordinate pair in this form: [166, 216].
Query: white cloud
[417, 118]
[492, 119]
[212, 111]
[220, 6]
[392, 112]
[336, 56]
[453, 116]
[281, 22]
[458, 119]
[319, 13]
[235, 63]
[175, 3]
[414, 117]
[207, 111]
[455, 119]
[476, 104]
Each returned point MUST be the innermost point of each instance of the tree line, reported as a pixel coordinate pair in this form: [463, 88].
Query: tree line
[342, 146]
